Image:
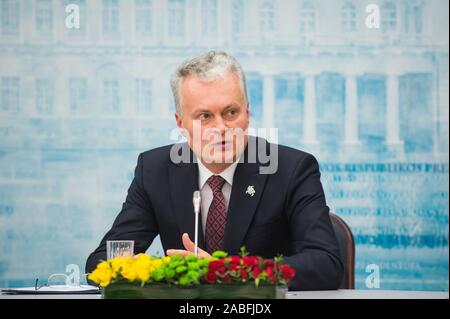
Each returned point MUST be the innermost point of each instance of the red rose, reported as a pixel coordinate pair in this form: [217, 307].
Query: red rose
[234, 267]
[244, 274]
[256, 271]
[211, 276]
[227, 279]
[269, 263]
[216, 264]
[221, 270]
[250, 261]
[287, 273]
[271, 275]
[235, 260]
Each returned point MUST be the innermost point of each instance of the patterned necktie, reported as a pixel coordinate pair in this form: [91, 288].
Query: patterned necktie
[217, 215]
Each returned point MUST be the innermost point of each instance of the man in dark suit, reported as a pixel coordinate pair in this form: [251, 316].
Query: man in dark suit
[270, 207]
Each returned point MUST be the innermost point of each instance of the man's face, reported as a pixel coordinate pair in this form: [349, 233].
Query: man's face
[215, 117]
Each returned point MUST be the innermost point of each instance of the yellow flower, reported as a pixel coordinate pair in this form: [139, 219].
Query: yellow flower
[102, 274]
[142, 271]
[128, 269]
[128, 272]
[137, 268]
[117, 264]
[143, 258]
[157, 263]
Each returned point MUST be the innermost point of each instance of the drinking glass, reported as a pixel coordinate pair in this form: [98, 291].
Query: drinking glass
[119, 248]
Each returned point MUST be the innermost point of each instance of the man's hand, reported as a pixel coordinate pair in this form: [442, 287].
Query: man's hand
[190, 247]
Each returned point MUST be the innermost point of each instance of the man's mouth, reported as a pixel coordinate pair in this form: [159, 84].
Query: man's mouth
[222, 143]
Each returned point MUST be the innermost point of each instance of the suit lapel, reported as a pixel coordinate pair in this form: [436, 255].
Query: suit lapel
[242, 206]
[183, 181]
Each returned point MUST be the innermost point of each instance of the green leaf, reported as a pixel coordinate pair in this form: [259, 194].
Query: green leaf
[193, 266]
[219, 254]
[180, 269]
[175, 264]
[191, 258]
[170, 273]
[194, 275]
[279, 258]
[184, 280]
[158, 274]
[175, 257]
[243, 251]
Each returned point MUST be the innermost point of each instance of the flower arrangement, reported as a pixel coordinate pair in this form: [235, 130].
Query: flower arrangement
[241, 269]
[192, 272]
[139, 268]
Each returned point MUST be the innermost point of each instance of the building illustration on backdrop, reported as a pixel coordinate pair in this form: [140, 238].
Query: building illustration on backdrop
[78, 105]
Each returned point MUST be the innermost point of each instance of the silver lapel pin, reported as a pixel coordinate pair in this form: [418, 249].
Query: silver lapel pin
[250, 190]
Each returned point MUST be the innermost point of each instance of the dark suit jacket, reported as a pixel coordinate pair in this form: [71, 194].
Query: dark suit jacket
[287, 215]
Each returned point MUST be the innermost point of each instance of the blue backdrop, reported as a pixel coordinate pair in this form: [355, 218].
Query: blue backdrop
[77, 106]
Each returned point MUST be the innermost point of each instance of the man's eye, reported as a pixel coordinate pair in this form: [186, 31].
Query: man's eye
[231, 112]
[204, 116]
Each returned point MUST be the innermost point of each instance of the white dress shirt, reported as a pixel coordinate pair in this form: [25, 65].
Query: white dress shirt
[206, 191]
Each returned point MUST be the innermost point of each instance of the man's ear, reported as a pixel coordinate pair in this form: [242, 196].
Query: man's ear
[178, 120]
[247, 110]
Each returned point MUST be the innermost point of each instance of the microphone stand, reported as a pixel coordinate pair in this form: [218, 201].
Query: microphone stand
[196, 199]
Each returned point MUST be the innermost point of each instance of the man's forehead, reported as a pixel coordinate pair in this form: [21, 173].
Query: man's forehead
[228, 88]
[197, 80]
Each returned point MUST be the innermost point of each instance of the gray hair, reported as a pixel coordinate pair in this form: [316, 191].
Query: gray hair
[208, 66]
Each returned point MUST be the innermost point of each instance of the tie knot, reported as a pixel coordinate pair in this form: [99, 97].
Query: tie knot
[216, 183]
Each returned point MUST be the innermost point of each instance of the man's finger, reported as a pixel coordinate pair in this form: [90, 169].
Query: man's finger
[187, 243]
[180, 252]
[190, 248]
[203, 254]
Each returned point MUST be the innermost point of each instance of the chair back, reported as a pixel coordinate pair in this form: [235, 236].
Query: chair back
[347, 247]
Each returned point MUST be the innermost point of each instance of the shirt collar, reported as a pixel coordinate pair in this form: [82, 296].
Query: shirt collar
[205, 173]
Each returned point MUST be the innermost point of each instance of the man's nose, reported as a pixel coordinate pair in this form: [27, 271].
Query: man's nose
[220, 125]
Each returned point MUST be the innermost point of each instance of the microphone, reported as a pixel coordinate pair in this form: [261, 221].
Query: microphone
[196, 200]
